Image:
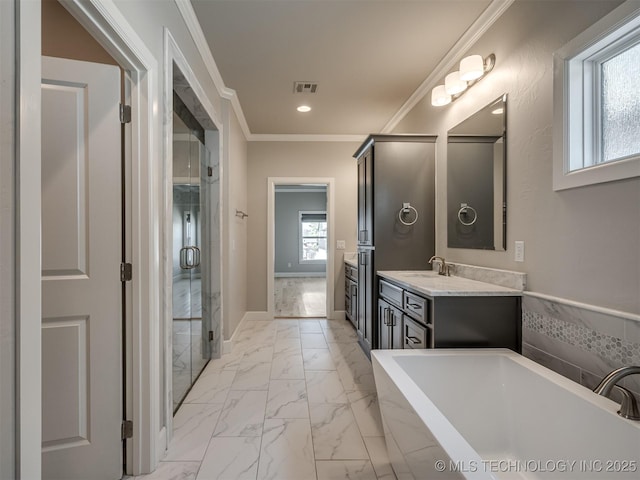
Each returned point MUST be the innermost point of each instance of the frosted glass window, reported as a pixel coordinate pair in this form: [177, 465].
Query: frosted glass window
[596, 102]
[620, 105]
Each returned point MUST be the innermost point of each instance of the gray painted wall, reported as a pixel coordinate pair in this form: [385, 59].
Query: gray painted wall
[580, 244]
[234, 246]
[287, 207]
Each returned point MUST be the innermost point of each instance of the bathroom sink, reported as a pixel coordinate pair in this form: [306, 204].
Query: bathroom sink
[426, 274]
[432, 284]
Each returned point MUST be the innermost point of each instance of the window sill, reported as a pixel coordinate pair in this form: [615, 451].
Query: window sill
[603, 173]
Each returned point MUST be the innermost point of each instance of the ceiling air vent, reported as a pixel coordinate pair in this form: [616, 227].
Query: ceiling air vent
[305, 87]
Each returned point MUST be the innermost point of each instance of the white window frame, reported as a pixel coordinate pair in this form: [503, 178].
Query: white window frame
[576, 116]
[300, 237]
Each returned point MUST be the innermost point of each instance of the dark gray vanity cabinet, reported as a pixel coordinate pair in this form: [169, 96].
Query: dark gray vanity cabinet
[415, 335]
[450, 321]
[351, 293]
[403, 318]
[366, 311]
[365, 197]
[390, 328]
[396, 218]
[477, 322]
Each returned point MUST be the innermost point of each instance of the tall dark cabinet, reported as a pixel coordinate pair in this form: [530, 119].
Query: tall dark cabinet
[396, 184]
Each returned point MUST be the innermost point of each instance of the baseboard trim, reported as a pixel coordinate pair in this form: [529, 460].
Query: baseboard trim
[253, 316]
[339, 315]
[227, 345]
[161, 447]
[300, 274]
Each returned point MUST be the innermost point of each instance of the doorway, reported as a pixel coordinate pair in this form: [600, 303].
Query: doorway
[190, 221]
[192, 332]
[98, 25]
[83, 243]
[300, 279]
[300, 260]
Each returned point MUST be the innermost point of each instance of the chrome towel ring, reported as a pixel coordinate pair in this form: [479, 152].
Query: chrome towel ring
[406, 208]
[464, 209]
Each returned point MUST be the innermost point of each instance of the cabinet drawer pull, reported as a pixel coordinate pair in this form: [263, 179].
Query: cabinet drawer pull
[414, 340]
[417, 306]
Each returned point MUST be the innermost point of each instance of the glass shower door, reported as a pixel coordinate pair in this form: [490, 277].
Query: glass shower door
[188, 357]
[196, 257]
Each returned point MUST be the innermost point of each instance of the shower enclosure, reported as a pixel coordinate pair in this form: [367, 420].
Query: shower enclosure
[190, 260]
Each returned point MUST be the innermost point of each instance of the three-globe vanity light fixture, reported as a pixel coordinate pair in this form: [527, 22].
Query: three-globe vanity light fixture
[472, 69]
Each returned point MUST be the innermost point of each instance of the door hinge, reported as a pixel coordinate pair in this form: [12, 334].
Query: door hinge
[210, 336]
[125, 113]
[126, 272]
[127, 429]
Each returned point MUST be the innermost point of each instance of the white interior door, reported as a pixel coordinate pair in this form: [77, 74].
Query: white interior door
[81, 288]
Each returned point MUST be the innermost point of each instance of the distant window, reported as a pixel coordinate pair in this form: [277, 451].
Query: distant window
[597, 108]
[313, 237]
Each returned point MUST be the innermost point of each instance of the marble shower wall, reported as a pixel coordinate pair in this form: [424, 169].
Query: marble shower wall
[212, 298]
[579, 341]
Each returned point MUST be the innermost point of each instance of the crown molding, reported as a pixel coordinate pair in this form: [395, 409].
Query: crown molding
[193, 25]
[285, 137]
[494, 11]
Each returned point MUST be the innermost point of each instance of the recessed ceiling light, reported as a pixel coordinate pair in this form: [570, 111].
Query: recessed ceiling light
[304, 108]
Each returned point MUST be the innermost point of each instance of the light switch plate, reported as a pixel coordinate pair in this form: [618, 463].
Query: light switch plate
[340, 244]
[519, 251]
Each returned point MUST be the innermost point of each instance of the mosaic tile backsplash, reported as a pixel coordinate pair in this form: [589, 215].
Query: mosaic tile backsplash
[581, 342]
[612, 348]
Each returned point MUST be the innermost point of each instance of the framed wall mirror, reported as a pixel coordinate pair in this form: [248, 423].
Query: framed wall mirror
[476, 180]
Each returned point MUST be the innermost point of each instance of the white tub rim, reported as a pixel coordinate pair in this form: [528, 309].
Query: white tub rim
[453, 443]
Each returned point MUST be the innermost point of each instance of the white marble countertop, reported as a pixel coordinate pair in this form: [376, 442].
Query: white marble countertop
[351, 258]
[434, 285]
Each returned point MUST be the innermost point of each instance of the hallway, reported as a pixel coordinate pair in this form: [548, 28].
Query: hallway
[294, 400]
[300, 297]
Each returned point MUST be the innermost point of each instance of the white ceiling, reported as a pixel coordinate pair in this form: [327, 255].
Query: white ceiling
[368, 57]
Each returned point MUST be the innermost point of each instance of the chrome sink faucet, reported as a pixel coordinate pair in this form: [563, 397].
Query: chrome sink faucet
[629, 406]
[443, 269]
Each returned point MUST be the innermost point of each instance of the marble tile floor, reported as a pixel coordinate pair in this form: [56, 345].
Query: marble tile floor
[300, 296]
[294, 400]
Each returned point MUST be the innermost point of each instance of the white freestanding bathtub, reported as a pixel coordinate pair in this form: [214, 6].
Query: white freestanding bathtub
[494, 414]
